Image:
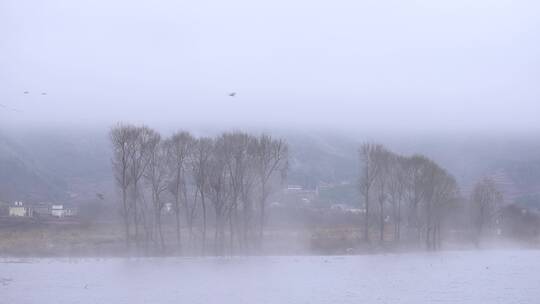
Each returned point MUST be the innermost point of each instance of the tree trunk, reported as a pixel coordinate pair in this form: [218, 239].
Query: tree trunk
[262, 215]
[366, 217]
[135, 213]
[126, 216]
[381, 221]
[398, 234]
[178, 232]
[204, 223]
[160, 230]
[177, 210]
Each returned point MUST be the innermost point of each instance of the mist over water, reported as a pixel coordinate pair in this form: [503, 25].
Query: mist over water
[451, 277]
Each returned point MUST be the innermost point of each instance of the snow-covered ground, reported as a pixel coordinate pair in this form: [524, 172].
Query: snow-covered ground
[449, 277]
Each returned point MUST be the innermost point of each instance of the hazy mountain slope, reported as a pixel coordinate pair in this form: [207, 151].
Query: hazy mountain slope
[21, 178]
[38, 165]
[321, 158]
[74, 165]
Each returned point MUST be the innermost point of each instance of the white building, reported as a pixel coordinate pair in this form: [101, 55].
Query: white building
[62, 211]
[42, 209]
[19, 209]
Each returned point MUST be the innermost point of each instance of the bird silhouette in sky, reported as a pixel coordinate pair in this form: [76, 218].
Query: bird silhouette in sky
[232, 94]
[25, 92]
[43, 93]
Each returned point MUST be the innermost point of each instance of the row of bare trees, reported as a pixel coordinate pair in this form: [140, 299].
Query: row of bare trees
[414, 196]
[410, 192]
[217, 186]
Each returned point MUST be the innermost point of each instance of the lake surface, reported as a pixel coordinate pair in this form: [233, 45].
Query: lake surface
[448, 277]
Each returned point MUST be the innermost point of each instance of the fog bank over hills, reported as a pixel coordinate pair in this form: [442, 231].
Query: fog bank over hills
[397, 72]
[73, 164]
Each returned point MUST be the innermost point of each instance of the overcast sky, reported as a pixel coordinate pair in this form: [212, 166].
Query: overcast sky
[458, 64]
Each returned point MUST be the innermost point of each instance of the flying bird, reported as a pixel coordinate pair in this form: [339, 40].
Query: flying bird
[100, 196]
[25, 92]
[232, 94]
[43, 93]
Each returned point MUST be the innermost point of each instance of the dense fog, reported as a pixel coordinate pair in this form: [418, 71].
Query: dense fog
[451, 65]
[234, 151]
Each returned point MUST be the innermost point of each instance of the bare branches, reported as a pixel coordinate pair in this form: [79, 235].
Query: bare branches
[122, 139]
[179, 149]
[370, 171]
[419, 183]
[156, 178]
[270, 159]
[231, 174]
[486, 200]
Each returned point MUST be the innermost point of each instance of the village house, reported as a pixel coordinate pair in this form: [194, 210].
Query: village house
[61, 210]
[42, 209]
[297, 195]
[21, 210]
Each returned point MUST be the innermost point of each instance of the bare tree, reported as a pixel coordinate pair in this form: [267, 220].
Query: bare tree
[143, 141]
[270, 161]
[427, 188]
[218, 182]
[190, 201]
[383, 159]
[156, 177]
[440, 190]
[486, 199]
[122, 137]
[238, 161]
[415, 168]
[231, 172]
[370, 171]
[179, 148]
[397, 181]
[201, 155]
[247, 193]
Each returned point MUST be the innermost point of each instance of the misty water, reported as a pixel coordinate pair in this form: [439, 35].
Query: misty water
[448, 277]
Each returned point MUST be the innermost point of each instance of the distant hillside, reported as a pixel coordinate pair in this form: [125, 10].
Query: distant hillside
[321, 158]
[43, 165]
[21, 178]
[74, 165]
